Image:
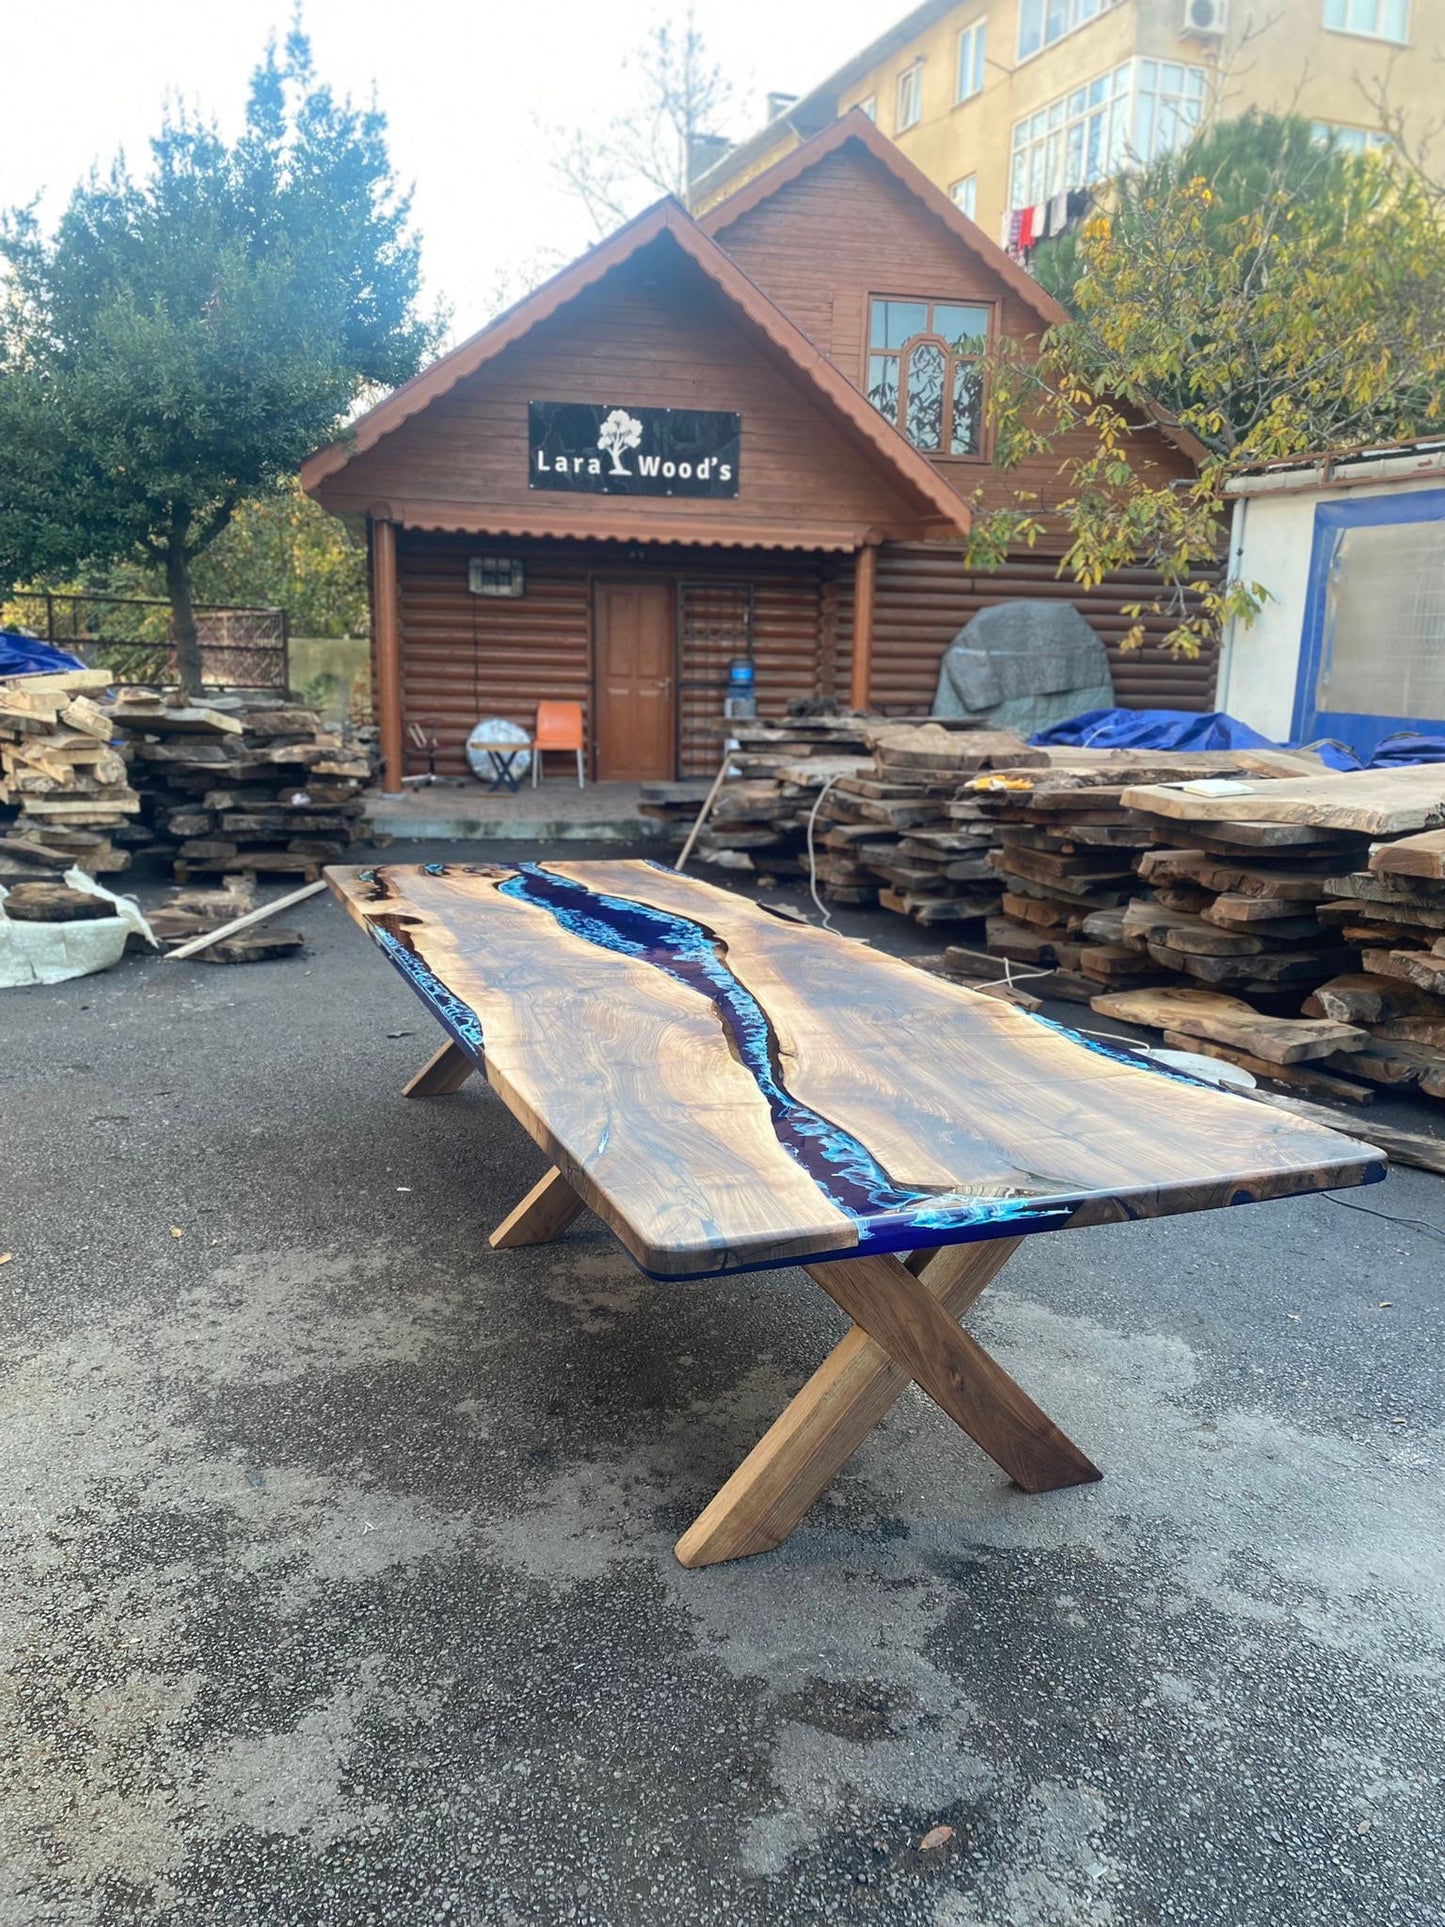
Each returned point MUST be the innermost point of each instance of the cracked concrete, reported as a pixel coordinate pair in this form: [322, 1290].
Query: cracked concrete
[338, 1581]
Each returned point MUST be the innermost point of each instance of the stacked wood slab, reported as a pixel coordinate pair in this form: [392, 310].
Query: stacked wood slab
[259, 789]
[759, 818]
[61, 774]
[1066, 853]
[1066, 860]
[905, 833]
[1301, 924]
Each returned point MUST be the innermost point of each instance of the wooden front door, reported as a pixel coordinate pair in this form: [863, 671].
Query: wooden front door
[636, 632]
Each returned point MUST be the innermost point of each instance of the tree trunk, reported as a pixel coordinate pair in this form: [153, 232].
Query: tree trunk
[183, 620]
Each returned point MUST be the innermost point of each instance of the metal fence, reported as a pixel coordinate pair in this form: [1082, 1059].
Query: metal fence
[241, 648]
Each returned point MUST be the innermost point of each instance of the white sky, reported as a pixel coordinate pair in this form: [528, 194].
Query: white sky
[468, 90]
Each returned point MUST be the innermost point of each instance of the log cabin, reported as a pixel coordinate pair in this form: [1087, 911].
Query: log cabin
[754, 434]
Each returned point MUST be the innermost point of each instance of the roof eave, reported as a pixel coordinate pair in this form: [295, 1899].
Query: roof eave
[855, 414]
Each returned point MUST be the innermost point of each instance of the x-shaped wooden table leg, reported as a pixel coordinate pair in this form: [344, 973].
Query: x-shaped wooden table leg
[904, 1327]
[445, 1071]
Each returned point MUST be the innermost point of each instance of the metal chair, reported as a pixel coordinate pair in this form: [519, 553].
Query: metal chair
[559, 726]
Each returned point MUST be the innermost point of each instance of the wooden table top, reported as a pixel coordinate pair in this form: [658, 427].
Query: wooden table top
[729, 1089]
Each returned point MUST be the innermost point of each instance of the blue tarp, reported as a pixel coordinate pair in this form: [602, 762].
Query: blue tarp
[1153, 729]
[1177, 729]
[1406, 746]
[24, 656]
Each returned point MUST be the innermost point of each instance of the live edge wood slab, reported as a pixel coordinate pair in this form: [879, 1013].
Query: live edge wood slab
[729, 1090]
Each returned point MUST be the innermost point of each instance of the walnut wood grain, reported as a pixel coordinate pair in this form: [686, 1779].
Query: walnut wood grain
[948, 1091]
[742, 1091]
[811, 1441]
[621, 1075]
[445, 1071]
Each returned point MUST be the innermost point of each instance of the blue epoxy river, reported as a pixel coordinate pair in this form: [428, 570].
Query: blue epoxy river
[844, 1169]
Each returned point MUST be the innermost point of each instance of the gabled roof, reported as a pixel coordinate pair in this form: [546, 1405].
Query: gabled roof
[850, 411]
[855, 126]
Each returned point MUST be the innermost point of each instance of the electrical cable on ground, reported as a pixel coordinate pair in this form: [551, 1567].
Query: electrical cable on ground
[823, 909]
[1415, 1224]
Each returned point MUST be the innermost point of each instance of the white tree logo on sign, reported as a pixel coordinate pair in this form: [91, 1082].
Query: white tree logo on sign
[619, 431]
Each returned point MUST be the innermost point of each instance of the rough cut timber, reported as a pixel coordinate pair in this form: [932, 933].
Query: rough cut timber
[1373, 802]
[1229, 1020]
[259, 787]
[59, 771]
[1411, 856]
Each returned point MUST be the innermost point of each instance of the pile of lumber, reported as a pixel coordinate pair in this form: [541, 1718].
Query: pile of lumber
[245, 789]
[758, 820]
[1068, 856]
[892, 823]
[904, 831]
[1066, 851]
[1297, 927]
[62, 775]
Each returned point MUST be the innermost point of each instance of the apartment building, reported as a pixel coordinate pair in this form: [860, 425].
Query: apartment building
[1009, 104]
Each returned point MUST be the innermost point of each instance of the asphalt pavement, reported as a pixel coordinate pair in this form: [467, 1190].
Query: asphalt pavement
[337, 1576]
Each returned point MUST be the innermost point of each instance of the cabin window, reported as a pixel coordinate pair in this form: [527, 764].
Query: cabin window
[910, 96]
[925, 371]
[970, 60]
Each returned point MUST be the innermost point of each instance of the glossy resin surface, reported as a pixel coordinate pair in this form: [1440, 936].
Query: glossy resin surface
[731, 1090]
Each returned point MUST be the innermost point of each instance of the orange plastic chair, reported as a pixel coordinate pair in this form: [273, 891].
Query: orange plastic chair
[559, 726]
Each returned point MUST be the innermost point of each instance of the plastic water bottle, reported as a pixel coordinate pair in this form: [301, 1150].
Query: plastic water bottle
[741, 697]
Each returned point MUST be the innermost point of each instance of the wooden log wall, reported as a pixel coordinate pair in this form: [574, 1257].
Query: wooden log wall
[466, 656]
[926, 594]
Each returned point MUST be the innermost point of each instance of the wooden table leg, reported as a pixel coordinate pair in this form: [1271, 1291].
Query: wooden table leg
[445, 1071]
[855, 1387]
[895, 1308]
[544, 1214]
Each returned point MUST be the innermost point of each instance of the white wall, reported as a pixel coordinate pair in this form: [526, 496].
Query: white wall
[1271, 543]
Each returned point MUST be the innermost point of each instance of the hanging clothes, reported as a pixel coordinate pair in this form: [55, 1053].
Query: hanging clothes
[1056, 217]
[1026, 229]
[1015, 222]
[1076, 204]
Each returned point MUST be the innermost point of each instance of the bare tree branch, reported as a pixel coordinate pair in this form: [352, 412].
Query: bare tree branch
[681, 97]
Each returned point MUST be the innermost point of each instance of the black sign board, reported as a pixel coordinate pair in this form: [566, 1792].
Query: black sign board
[599, 448]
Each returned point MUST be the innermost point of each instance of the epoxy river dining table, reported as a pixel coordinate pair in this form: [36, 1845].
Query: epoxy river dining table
[730, 1090]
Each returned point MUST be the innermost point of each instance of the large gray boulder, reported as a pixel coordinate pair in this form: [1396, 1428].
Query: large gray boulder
[1024, 665]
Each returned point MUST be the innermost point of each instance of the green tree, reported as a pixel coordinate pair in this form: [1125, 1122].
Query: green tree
[1243, 161]
[284, 550]
[1271, 301]
[182, 341]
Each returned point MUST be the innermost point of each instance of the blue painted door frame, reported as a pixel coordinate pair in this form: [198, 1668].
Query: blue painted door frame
[1332, 521]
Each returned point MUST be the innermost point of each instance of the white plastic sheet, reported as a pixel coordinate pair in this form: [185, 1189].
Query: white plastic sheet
[50, 953]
